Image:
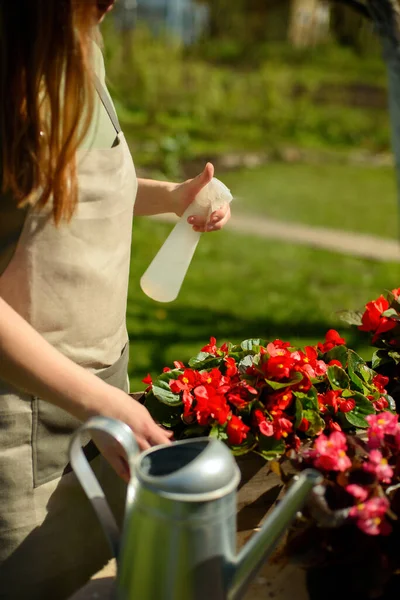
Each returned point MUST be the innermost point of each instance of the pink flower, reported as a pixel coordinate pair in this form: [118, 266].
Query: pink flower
[329, 454]
[357, 491]
[379, 466]
[385, 423]
[369, 516]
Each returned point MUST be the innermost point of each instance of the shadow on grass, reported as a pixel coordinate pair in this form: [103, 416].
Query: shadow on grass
[186, 326]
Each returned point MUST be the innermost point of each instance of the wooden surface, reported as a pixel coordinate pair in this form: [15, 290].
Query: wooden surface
[274, 582]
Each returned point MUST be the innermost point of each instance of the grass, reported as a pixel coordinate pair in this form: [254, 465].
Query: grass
[321, 195]
[240, 287]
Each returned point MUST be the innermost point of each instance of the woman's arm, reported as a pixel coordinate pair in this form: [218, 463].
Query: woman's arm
[30, 363]
[158, 197]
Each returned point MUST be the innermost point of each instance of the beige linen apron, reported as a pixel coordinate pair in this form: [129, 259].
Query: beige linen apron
[71, 284]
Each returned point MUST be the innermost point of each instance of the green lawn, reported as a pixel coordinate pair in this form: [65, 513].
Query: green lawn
[353, 198]
[239, 287]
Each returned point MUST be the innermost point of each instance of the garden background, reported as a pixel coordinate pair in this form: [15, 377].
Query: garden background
[289, 100]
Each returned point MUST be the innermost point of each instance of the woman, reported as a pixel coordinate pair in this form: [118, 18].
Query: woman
[68, 190]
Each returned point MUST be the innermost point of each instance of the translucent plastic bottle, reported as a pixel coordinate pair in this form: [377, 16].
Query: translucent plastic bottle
[164, 277]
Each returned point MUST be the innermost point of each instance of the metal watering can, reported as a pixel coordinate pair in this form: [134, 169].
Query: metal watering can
[179, 535]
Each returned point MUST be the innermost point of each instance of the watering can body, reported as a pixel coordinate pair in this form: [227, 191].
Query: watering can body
[179, 535]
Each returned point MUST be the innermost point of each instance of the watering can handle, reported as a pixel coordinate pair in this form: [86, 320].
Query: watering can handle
[123, 435]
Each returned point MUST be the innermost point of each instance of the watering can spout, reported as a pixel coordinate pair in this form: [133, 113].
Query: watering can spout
[255, 552]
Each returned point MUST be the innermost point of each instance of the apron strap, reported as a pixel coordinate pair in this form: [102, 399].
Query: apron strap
[107, 104]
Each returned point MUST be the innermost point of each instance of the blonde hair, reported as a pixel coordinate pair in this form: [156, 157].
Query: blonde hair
[46, 98]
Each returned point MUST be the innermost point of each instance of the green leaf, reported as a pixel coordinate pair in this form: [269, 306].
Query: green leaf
[276, 385]
[298, 412]
[395, 356]
[337, 353]
[379, 358]
[162, 392]
[366, 373]
[270, 447]
[309, 400]
[338, 378]
[218, 432]
[245, 363]
[251, 345]
[248, 445]
[204, 360]
[194, 431]
[354, 363]
[351, 317]
[167, 416]
[392, 314]
[392, 403]
[363, 407]
[168, 375]
[393, 301]
[316, 422]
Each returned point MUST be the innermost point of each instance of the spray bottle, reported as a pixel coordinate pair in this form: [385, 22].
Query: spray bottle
[164, 277]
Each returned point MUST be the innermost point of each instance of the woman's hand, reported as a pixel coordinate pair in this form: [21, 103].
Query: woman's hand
[147, 433]
[184, 194]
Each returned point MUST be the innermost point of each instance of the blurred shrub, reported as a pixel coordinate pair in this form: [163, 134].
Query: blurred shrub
[287, 96]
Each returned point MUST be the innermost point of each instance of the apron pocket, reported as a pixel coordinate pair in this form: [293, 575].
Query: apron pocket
[53, 427]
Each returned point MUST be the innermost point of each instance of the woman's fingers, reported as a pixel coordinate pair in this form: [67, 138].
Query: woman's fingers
[216, 221]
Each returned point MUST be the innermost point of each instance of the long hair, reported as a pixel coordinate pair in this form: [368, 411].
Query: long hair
[46, 98]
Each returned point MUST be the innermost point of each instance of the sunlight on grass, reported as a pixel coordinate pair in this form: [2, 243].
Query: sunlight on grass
[353, 198]
[240, 287]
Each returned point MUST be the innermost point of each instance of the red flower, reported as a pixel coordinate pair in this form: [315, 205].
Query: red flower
[307, 362]
[278, 348]
[396, 293]
[265, 425]
[380, 382]
[304, 384]
[236, 431]
[210, 405]
[304, 425]
[331, 424]
[329, 454]
[186, 381]
[211, 348]
[372, 319]
[346, 404]
[282, 427]
[188, 413]
[179, 365]
[334, 362]
[380, 404]
[332, 339]
[231, 368]
[279, 427]
[240, 395]
[278, 367]
[148, 380]
[333, 399]
[214, 378]
[280, 400]
[330, 399]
